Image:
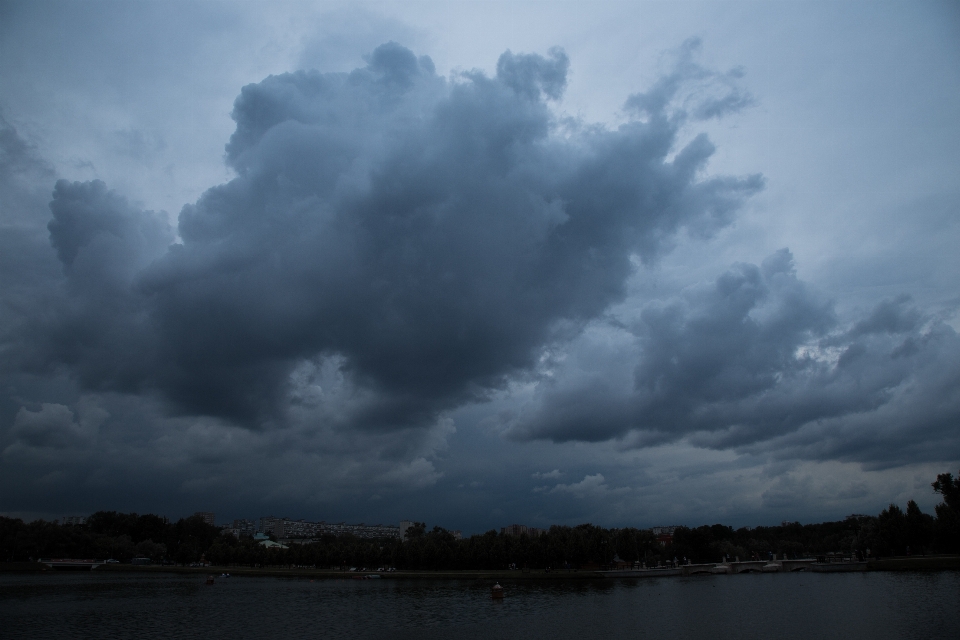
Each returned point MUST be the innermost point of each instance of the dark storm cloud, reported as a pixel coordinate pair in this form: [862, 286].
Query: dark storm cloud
[758, 361]
[53, 426]
[430, 235]
[890, 316]
[27, 266]
[94, 322]
[117, 240]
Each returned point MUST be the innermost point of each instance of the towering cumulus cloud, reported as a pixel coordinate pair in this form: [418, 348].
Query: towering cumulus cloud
[421, 238]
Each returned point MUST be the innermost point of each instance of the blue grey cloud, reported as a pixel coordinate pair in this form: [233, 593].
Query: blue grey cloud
[432, 234]
[396, 261]
[758, 360]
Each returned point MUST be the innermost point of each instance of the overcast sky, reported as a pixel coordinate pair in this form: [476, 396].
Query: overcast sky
[477, 263]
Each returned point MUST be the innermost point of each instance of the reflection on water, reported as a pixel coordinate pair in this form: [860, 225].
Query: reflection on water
[113, 605]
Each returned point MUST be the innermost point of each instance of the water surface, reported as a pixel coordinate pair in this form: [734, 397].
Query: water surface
[131, 605]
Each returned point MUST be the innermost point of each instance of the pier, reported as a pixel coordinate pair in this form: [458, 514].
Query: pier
[752, 566]
[818, 565]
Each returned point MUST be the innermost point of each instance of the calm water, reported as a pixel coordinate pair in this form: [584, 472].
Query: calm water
[111, 605]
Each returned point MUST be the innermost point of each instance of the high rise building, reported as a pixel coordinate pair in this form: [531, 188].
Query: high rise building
[514, 530]
[206, 516]
[243, 527]
[268, 524]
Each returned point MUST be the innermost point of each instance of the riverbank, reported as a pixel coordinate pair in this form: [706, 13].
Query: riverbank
[908, 563]
[327, 574]
[916, 563]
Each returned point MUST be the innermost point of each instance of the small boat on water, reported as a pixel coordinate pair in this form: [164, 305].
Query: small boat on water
[496, 592]
[210, 580]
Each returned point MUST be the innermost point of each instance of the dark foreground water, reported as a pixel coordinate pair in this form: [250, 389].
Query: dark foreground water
[125, 605]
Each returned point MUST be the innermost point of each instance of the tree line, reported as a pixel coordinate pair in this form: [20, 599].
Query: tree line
[123, 536]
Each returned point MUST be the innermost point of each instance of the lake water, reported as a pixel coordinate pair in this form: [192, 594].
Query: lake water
[129, 605]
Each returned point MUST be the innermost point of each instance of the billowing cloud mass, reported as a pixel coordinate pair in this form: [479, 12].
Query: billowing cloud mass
[757, 361]
[431, 236]
[401, 256]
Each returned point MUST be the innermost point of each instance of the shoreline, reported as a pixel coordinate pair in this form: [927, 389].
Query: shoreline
[908, 563]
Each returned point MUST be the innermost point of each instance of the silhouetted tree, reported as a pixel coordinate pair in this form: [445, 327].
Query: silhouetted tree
[919, 529]
[947, 526]
[892, 531]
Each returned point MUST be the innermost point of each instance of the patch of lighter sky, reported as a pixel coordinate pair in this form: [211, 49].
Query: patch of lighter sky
[649, 487]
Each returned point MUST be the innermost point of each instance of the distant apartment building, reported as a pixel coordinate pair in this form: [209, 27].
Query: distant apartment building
[457, 535]
[521, 529]
[267, 524]
[241, 527]
[72, 520]
[284, 528]
[206, 516]
[244, 526]
[362, 530]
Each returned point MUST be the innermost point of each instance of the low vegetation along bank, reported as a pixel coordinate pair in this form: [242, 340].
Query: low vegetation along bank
[123, 536]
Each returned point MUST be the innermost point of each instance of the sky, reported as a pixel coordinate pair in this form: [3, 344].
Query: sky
[479, 263]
